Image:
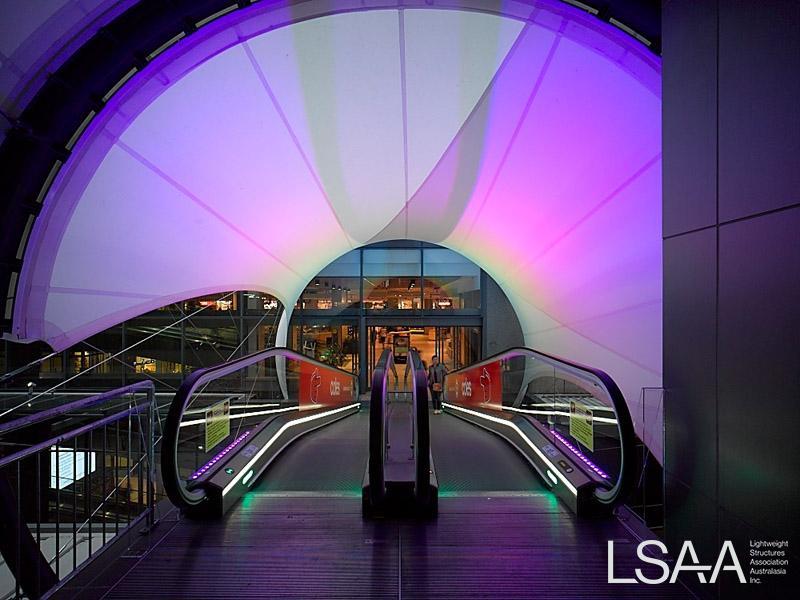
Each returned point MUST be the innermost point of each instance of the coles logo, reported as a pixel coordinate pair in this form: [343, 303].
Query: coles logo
[322, 388]
[486, 385]
[316, 382]
[480, 386]
[687, 561]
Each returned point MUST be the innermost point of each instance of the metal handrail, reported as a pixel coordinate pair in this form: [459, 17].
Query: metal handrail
[377, 427]
[175, 486]
[599, 378]
[34, 583]
[146, 386]
[115, 356]
[54, 441]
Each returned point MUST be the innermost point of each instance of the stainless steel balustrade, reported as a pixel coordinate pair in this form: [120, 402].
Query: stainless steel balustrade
[93, 495]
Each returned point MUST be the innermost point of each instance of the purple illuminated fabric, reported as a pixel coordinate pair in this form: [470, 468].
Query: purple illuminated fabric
[254, 152]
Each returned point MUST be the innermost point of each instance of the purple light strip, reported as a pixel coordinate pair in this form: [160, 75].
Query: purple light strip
[202, 470]
[580, 455]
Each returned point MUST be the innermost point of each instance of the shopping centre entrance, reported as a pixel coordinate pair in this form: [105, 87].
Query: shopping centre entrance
[339, 344]
[401, 294]
[456, 346]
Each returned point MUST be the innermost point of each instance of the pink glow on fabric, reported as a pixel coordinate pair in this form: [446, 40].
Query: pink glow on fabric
[254, 152]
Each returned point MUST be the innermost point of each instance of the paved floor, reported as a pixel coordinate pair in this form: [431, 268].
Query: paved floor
[290, 539]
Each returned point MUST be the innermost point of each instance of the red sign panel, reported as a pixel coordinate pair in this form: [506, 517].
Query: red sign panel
[324, 388]
[479, 387]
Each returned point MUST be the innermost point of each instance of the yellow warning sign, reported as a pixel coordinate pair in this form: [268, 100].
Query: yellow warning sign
[218, 423]
[580, 424]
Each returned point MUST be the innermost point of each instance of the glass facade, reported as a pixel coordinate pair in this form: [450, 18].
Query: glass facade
[352, 309]
[388, 279]
[451, 282]
[336, 345]
[393, 293]
[331, 293]
[401, 290]
[456, 346]
[163, 345]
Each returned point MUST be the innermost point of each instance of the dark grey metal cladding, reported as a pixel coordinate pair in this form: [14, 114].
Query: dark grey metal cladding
[690, 358]
[759, 377]
[759, 108]
[731, 304]
[689, 117]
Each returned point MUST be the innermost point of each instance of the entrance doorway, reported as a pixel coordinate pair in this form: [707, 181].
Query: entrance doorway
[457, 346]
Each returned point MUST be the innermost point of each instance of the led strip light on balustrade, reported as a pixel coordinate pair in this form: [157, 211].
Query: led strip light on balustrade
[513, 426]
[280, 431]
[197, 411]
[554, 404]
[202, 470]
[586, 460]
[242, 415]
[557, 413]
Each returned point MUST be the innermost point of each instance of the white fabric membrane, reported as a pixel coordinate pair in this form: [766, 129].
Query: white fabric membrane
[531, 146]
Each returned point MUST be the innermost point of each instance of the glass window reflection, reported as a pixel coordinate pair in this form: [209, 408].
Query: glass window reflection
[392, 293]
[331, 293]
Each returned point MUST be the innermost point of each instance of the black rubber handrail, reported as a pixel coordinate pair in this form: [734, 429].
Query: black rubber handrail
[627, 435]
[174, 484]
[377, 428]
[422, 431]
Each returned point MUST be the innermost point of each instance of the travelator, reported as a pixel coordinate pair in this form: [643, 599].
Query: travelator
[214, 450]
[228, 423]
[289, 395]
[569, 421]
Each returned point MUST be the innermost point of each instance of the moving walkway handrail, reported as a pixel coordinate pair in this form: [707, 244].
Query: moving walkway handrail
[627, 436]
[422, 432]
[377, 427]
[175, 486]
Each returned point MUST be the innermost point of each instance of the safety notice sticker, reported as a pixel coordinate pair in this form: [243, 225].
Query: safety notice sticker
[218, 423]
[580, 424]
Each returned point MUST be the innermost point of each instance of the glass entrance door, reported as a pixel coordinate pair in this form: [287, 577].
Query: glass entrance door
[456, 346]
